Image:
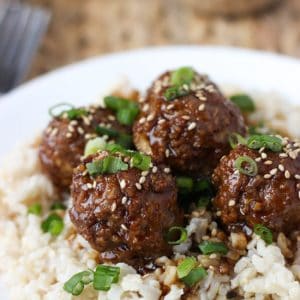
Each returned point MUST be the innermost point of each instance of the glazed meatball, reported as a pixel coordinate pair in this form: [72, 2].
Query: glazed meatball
[271, 197]
[188, 131]
[64, 140]
[125, 215]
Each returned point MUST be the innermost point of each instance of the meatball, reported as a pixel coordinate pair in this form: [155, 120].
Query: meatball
[271, 197]
[64, 140]
[190, 132]
[125, 215]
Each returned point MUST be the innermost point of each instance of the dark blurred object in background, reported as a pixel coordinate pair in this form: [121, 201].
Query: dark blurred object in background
[81, 29]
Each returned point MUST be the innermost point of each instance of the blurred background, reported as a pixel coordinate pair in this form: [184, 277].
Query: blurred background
[83, 28]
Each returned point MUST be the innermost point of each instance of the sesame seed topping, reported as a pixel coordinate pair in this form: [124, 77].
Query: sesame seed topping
[111, 118]
[268, 162]
[293, 154]
[86, 120]
[258, 159]
[283, 155]
[142, 99]
[261, 149]
[201, 107]
[231, 202]
[273, 171]
[185, 117]
[142, 180]
[219, 213]
[80, 130]
[192, 126]
[124, 227]
[167, 152]
[297, 176]
[264, 155]
[299, 194]
[150, 117]
[161, 121]
[267, 176]
[170, 106]
[122, 184]
[145, 173]
[124, 200]
[167, 170]
[54, 132]
[74, 122]
[113, 206]
[287, 174]
[69, 135]
[146, 107]
[142, 120]
[138, 186]
[89, 185]
[281, 167]
[298, 185]
[154, 169]
[71, 128]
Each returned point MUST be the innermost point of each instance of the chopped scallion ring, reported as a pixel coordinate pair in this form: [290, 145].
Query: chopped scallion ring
[174, 92]
[94, 145]
[140, 161]
[61, 107]
[264, 232]
[272, 143]
[246, 165]
[126, 116]
[185, 267]
[75, 284]
[35, 209]
[53, 224]
[101, 130]
[209, 247]
[75, 113]
[183, 75]
[185, 184]
[244, 102]
[194, 276]
[236, 139]
[176, 235]
[105, 276]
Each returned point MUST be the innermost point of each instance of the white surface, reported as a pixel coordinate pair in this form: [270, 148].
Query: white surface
[24, 111]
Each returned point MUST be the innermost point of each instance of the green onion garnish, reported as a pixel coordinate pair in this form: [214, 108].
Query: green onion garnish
[58, 109]
[75, 284]
[203, 185]
[126, 110]
[183, 75]
[58, 206]
[203, 201]
[244, 102]
[174, 92]
[105, 276]
[125, 140]
[264, 232]
[209, 247]
[53, 224]
[272, 143]
[236, 139]
[176, 235]
[140, 161]
[185, 267]
[194, 276]
[101, 130]
[246, 165]
[108, 165]
[35, 209]
[185, 184]
[94, 145]
[75, 113]
[113, 148]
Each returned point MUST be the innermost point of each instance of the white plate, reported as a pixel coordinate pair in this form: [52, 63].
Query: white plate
[24, 111]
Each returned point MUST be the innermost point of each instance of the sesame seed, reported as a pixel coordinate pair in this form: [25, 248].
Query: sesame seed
[161, 121]
[54, 132]
[167, 152]
[264, 155]
[142, 120]
[142, 180]
[297, 176]
[86, 120]
[124, 227]
[154, 169]
[145, 173]
[213, 256]
[111, 117]
[258, 159]
[283, 155]
[293, 155]
[298, 185]
[71, 128]
[138, 186]
[267, 176]
[49, 129]
[167, 170]
[113, 206]
[273, 171]
[299, 194]
[150, 117]
[231, 202]
[74, 122]
[185, 87]
[214, 232]
[142, 99]
[205, 238]
[185, 117]
[84, 173]
[69, 135]
[170, 106]
[146, 107]
[219, 213]
[124, 200]
[192, 126]
[201, 107]
[268, 162]
[80, 130]
[261, 149]
[122, 184]
[287, 174]
[89, 185]
[281, 167]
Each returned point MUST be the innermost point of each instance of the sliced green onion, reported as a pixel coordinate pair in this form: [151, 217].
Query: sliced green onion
[94, 145]
[176, 235]
[246, 165]
[174, 92]
[75, 284]
[101, 130]
[185, 267]
[203, 185]
[35, 209]
[140, 161]
[75, 113]
[236, 139]
[53, 224]
[115, 148]
[116, 103]
[57, 110]
[126, 116]
[108, 165]
[203, 201]
[209, 247]
[58, 206]
[244, 102]
[105, 276]
[194, 276]
[185, 184]
[125, 140]
[264, 232]
[183, 75]
[272, 143]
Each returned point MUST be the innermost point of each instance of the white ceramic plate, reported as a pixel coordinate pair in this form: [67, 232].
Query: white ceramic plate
[23, 112]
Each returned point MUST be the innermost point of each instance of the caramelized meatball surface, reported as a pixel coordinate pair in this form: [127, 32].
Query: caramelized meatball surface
[189, 133]
[271, 198]
[64, 140]
[125, 215]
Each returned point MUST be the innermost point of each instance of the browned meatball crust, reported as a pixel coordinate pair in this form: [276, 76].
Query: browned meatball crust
[125, 215]
[63, 142]
[189, 133]
[272, 197]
